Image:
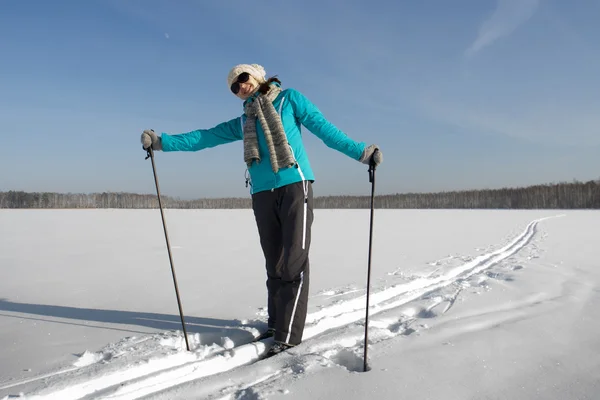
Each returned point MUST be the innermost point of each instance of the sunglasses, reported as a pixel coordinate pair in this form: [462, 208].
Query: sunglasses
[242, 78]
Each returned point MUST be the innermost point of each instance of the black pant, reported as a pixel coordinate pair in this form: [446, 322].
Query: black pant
[284, 225]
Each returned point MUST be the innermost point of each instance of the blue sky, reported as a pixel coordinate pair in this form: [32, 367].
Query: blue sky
[465, 94]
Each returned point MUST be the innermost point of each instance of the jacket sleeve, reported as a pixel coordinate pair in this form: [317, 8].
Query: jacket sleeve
[225, 132]
[312, 118]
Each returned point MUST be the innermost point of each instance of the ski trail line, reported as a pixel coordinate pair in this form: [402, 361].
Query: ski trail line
[37, 378]
[146, 377]
[54, 374]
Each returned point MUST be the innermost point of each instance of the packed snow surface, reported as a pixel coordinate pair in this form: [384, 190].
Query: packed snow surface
[464, 304]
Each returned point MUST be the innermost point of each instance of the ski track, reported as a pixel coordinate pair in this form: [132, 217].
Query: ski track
[118, 376]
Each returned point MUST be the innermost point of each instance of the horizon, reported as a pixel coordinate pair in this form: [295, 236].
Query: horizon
[487, 94]
[174, 197]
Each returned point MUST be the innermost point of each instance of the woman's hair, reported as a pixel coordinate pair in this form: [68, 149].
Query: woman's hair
[264, 87]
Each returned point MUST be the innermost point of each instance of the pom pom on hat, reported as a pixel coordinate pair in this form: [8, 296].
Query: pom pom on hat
[257, 71]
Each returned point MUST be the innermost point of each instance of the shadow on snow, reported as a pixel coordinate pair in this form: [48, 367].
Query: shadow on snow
[205, 326]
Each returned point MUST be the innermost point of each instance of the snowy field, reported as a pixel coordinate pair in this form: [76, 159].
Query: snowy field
[465, 305]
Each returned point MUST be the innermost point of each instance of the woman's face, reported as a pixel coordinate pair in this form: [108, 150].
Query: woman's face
[247, 87]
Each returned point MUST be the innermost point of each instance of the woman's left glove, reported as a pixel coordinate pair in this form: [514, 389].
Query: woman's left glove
[370, 153]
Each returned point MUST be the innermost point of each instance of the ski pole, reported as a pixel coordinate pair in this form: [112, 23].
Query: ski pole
[372, 181]
[151, 156]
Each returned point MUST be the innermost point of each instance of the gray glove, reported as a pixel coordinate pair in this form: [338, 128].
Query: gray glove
[367, 154]
[149, 138]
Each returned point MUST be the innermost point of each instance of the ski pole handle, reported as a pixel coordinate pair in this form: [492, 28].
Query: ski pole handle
[372, 166]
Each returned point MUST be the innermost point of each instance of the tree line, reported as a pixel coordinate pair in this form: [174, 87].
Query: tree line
[564, 195]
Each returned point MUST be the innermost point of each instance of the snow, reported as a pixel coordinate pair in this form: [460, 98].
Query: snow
[464, 304]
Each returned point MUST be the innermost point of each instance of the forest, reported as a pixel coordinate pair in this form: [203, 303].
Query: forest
[564, 195]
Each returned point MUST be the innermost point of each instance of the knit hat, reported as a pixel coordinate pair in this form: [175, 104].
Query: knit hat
[257, 71]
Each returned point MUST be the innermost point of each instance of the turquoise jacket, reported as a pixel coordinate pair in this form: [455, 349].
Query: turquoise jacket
[295, 110]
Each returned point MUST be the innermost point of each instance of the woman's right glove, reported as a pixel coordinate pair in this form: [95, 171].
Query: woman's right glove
[149, 138]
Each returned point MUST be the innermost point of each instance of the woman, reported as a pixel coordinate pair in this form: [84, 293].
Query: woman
[281, 178]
